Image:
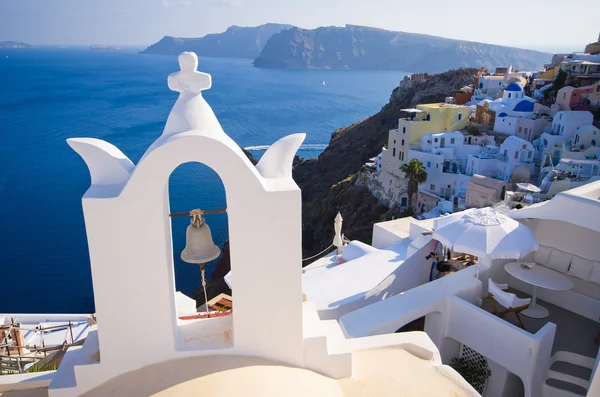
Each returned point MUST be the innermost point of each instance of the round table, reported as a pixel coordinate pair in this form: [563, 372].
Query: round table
[538, 276]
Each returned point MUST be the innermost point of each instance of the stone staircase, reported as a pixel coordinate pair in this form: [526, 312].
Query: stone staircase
[326, 349]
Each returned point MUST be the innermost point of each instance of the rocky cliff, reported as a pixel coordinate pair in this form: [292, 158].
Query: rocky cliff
[359, 47]
[327, 182]
[235, 42]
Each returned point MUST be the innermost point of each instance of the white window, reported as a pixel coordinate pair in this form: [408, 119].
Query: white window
[516, 154]
[394, 141]
[432, 187]
[435, 140]
[451, 141]
[403, 142]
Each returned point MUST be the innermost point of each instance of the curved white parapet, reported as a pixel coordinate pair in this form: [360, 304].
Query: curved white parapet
[278, 159]
[107, 164]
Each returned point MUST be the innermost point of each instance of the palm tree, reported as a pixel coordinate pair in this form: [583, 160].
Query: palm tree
[415, 172]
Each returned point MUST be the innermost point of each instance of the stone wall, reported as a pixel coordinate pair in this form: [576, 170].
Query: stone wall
[390, 190]
[485, 115]
[426, 203]
[387, 188]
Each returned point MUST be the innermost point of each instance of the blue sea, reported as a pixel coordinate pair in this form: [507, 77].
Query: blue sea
[49, 94]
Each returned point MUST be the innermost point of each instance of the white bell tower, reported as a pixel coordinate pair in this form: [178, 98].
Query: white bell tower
[126, 212]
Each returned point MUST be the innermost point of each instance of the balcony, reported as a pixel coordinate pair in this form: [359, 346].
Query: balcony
[524, 199]
[491, 156]
[452, 167]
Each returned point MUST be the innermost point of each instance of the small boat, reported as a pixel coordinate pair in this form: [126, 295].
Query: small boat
[323, 83]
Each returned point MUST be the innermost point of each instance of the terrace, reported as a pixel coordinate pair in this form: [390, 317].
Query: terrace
[457, 315]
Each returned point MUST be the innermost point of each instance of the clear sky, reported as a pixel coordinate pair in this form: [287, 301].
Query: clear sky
[525, 23]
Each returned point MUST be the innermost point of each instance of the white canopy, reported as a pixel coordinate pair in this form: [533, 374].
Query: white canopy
[412, 110]
[487, 233]
[579, 206]
[528, 187]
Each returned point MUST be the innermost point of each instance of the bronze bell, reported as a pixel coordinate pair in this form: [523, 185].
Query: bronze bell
[199, 245]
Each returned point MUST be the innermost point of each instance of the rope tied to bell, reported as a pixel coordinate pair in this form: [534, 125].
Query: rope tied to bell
[197, 219]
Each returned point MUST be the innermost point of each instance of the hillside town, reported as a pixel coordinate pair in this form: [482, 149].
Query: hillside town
[511, 137]
[501, 298]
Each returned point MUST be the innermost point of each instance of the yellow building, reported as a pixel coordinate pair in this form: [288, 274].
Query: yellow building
[425, 119]
[549, 74]
[436, 117]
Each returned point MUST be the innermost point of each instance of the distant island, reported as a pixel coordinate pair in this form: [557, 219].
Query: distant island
[350, 47]
[359, 47]
[14, 44]
[104, 47]
[235, 42]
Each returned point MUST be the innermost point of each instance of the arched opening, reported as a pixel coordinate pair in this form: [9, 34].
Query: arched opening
[191, 186]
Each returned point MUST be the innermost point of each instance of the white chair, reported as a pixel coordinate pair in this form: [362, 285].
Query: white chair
[497, 294]
[573, 359]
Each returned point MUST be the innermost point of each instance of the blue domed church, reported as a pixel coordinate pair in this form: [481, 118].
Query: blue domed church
[514, 113]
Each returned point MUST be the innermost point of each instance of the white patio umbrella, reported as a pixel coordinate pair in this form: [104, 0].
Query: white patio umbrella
[487, 233]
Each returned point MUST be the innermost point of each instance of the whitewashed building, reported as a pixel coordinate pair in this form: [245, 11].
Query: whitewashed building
[528, 128]
[565, 126]
[588, 136]
[513, 152]
[580, 170]
[444, 156]
[489, 86]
